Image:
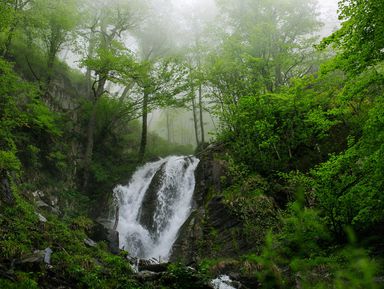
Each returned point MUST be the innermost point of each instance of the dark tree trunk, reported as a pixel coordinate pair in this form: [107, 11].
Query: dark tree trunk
[144, 129]
[168, 127]
[201, 115]
[91, 131]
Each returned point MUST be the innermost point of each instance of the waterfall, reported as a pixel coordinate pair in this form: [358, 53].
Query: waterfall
[154, 205]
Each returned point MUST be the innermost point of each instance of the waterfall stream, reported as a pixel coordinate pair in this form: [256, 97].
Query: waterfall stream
[154, 205]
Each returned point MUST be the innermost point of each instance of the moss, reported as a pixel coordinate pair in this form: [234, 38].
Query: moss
[73, 264]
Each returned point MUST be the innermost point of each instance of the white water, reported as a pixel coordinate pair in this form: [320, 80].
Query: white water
[222, 282]
[173, 206]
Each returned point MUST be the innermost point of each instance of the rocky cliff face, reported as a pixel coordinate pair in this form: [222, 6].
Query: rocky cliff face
[215, 228]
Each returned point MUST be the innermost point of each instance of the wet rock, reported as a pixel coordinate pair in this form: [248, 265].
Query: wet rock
[6, 194]
[43, 205]
[157, 268]
[186, 247]
[247, 282]
[41, 217]
[47, 255]
[148, 276]
[89, 242]
[36, 257]
[100, 233]
[39, 256]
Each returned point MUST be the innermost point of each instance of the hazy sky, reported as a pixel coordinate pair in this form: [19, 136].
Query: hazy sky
[328, 9]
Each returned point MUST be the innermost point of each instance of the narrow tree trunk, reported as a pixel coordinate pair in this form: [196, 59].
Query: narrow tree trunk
[144, 129]
[91, 131]
[89, 145]
[195, 118]
[168, 127]
[278, 76]
[201, 115]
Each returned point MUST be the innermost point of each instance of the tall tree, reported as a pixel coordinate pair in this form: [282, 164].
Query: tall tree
[158, 83]
[268, 43]
[107, 59]
[361, 37]
[52, 25]
[12, 13]
[161, 76]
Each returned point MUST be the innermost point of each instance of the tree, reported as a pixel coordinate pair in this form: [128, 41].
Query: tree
[53, 24]
[107, 60]
[12, 13]
[158, 83]
[268, 44]
[360, 38]
[161, 76]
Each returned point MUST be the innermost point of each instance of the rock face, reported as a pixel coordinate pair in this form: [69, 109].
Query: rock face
[209, 232]
[6, 194]
[209, 214]
[216, 228]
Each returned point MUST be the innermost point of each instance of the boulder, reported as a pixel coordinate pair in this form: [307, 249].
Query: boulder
[39, 256]
[89, 242]
[100, 233]
[41, 202]
[41, 217]
[152, 267]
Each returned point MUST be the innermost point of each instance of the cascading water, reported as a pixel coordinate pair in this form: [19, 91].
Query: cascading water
[154, 205]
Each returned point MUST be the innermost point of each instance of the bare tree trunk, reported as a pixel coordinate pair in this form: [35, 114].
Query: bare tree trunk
[201, 115]
[91, 131]
[194, 117]
[144, 129]
[168, 127]
[89, 145]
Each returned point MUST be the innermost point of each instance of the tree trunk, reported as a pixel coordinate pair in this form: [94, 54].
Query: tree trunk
[91, 131]
[201, 115]
[89, 145]
[194, 117]
[168, 126]
[144, 129]
[278, 76]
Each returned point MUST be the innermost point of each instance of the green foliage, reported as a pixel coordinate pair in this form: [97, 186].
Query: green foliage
[349, 185]
[182, 277]
[22, 284]
[9, 161]
[361, 35]
[302, 250]
[271, 132]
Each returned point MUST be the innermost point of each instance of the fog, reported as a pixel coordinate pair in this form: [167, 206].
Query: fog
[186, 18]
[174, 26]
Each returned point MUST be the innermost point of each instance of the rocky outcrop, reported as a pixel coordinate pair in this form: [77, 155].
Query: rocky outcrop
[217, 227]
[101, 233]
[207, 214]
[212, 231]
[6, 194]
